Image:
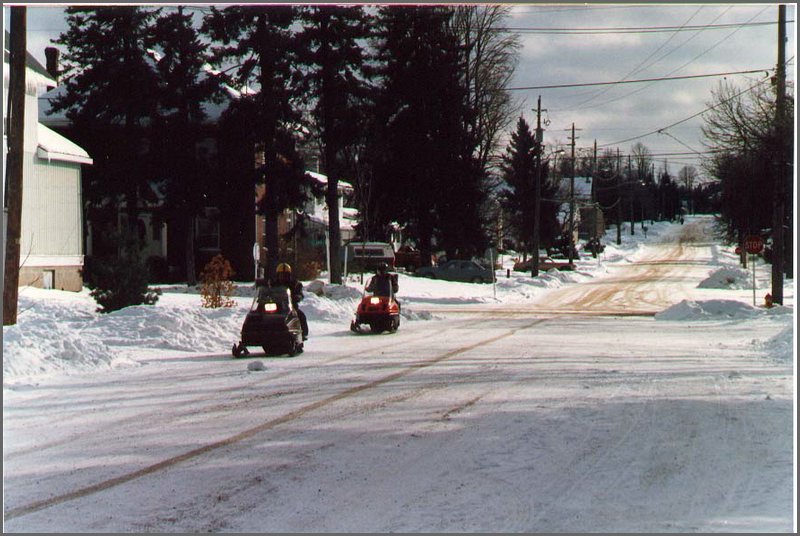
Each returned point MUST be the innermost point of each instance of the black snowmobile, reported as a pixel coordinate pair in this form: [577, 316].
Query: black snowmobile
[272, 323]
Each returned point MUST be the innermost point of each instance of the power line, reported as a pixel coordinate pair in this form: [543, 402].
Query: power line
[658, 79]
[673, 71]
[708, 108]
[632, 29]
[640, 67]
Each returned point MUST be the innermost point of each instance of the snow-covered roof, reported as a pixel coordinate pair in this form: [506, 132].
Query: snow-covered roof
[36, 72]
[323, 179]
[54, 146]
[583, 188]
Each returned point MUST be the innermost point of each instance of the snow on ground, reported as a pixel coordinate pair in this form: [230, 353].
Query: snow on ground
[61, 332]
[140, 421]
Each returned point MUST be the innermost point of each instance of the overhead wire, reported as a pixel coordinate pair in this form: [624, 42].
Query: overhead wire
[706, 51]
[640, 65]
[701, 112]
[612, 30]
[617, 82]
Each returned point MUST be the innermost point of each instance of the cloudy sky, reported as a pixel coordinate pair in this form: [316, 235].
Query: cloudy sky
[589, 43]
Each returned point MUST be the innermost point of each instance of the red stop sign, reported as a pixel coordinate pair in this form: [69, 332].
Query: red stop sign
[753, 244]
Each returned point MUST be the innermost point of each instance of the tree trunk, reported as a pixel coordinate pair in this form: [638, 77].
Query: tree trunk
[191, 270]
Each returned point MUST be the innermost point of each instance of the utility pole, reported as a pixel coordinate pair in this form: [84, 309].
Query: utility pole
[537, 190]
[593, 232]
[778, 222]
[619, 199]
[572, 200]
[631, 183]
[14, 163]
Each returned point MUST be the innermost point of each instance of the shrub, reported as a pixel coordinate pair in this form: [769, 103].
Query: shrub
[216, 286]
[121, 281]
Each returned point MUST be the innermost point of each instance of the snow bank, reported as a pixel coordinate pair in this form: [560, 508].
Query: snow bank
[51, 336]
[781, 346]
[730, 277]
[716, 310]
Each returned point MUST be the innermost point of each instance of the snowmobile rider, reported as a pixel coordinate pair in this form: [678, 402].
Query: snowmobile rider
[383, 283]
[285, 278]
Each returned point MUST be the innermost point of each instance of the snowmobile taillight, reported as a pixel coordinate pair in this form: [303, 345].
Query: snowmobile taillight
[374, 300]
[270, 307]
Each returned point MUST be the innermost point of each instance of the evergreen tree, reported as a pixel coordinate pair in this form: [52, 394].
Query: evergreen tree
[110, 99]
[258, 39]
[519, 174]
[183, 88]
[423, 176]
[329, 49]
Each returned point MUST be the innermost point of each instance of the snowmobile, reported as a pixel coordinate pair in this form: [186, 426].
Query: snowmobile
[272, 323]
[380, 313]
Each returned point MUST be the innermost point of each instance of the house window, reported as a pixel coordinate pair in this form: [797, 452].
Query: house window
[49, 279]
[207, 232]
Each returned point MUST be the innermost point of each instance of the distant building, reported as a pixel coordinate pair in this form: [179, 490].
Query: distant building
[304, 232]
[588, 217]
[51, 247]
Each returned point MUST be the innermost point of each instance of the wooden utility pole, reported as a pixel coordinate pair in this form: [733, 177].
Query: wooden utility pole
[572, 200]
[14, 163]
[633, 192]
[537, 190]
[619, 199]
[781, 162]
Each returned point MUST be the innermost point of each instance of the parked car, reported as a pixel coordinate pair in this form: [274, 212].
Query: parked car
[458, 270]
[545, 264]
[407, 257]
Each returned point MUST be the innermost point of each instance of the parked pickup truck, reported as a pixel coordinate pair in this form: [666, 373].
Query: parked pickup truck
[545, 264]
[407, 257]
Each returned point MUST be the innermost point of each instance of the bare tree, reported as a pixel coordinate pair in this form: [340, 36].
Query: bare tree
[490, 58]
[687, 176]
[642, 160]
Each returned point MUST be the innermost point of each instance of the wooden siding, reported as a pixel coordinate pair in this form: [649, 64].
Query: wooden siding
[51, 208]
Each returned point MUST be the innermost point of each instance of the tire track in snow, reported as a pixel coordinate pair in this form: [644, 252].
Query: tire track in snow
[246, 434]
[157, 417]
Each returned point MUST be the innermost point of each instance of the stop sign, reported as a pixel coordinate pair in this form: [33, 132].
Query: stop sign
[753, 244]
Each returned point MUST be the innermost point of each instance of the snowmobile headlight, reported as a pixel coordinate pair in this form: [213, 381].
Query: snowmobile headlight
[270, 307]
[374, 300]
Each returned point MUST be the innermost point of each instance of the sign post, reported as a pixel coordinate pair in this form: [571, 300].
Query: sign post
[256, 258]
[753, 245]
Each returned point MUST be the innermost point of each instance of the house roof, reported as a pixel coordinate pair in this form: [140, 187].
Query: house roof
[583, 188]
[30, 62]
[35, 73]
[54, 146]
[323, 179]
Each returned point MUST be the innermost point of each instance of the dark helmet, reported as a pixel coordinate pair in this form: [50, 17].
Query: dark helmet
[382, 267]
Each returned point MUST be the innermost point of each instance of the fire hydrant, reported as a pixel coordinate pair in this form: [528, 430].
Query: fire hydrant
[768, 301]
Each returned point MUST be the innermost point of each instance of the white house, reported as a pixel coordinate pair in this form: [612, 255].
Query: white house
[51, 241]
[317, 209]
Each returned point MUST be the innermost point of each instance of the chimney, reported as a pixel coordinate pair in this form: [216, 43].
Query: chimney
[51, 54]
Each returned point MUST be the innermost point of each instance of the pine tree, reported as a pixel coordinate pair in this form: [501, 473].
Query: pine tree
[183, 88]
[423, 176]
[110, 96]
[333, 80]
[519, 174]
[259, 42]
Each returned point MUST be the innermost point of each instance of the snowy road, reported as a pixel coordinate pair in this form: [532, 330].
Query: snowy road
[502, 419]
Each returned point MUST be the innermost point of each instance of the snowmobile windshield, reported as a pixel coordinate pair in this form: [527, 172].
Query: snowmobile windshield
[272, 300]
